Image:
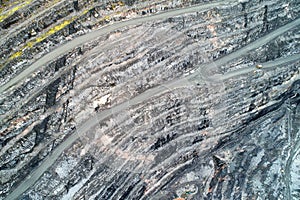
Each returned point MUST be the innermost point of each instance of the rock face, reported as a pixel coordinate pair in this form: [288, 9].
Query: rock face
[150, 99]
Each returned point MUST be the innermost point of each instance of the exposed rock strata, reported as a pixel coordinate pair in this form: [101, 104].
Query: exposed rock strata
[151, 111]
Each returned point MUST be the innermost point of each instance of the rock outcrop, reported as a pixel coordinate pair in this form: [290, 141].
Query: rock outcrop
[150, 99]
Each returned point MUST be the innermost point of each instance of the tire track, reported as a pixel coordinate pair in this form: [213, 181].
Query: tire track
[93, 35]
[140, 98]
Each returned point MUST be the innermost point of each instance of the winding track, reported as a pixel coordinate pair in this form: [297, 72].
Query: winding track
[267, 65]
[243, 51]
[93, 35]
[200, 75]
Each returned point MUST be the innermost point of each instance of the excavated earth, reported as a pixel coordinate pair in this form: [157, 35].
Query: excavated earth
[181, 99]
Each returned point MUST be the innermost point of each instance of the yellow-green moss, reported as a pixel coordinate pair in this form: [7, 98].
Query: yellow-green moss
[13, 10]
[107, 18]
[41, 38]
[51, 31]
[16, 55]
[85, 11]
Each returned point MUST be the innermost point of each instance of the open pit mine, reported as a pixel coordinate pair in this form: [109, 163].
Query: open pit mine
[150, 100]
